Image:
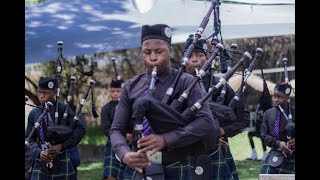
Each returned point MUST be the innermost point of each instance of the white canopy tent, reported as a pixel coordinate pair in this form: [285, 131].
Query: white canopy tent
[91, 26]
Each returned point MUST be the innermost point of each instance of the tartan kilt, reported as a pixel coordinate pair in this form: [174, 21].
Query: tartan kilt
[287, 167]
[178, 171]
[66, 171]
[230, 161]
[112, 167]
[128, 173]
[219, 166]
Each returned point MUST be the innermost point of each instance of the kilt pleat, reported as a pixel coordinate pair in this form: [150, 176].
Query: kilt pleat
[112, 167]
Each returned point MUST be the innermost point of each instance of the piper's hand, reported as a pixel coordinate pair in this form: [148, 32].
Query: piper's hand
[55, 149]
[151, 142]
[30, 169]
[45, 156]
[222, 133]
[284, 148]
[129, 137]
[292, 144]
[223, 143]
[136, 160]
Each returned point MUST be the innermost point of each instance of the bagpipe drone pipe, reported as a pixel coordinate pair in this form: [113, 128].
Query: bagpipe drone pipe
[264, 102]
[232, 116]
[58, 77]
[290, 127]
[242, 117]
[29, 155]
[164, 118]
[58, 132]
[221, 98]
[219, 108]
[265, 99]
[117, 74]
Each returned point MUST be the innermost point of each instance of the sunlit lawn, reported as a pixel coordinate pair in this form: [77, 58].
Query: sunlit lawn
[240, 148]
[90, 171]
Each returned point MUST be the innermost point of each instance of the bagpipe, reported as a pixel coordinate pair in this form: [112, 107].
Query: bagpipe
[290, 127]
[53, 133]
[228, 113]
[233, 116]
[276, 157]
[58, 133]
[58, 130]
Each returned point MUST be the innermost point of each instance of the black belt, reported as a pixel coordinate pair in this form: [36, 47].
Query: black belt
[174, 156]
[214, 150]
[182, 153]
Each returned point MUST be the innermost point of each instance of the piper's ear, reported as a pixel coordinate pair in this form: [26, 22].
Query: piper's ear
[170, 50]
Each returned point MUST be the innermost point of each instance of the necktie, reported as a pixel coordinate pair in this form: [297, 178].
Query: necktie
[277, 125]
[41, 133]
[146, 127]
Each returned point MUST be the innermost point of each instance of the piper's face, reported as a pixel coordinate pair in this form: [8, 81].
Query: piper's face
[45, 95]
[156, 52]
[115, 94]
[279, 98]
[196, 60]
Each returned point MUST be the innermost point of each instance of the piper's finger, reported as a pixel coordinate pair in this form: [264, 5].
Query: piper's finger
[143, 155]
[135, 160]
[141, 165]
[145, 139]
[51, 151]
[152, 152]
[146, 148]
[285, 155]
[138, 169]
[144, 143]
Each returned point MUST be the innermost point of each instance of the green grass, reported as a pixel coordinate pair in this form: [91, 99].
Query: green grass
[240, 149]
[90, 171]
[94, 135]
